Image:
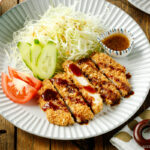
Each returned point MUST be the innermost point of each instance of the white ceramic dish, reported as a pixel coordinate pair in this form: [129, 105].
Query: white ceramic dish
[143, 5]
[115, 53]
[31, 118]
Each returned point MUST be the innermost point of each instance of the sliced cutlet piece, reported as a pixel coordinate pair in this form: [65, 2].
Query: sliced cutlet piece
[105, 87]
[72, 98]
[114, 71]
[85, 87]
[55, 108]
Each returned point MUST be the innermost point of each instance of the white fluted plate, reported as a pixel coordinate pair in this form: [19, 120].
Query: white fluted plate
[143, 5]
[31, 118]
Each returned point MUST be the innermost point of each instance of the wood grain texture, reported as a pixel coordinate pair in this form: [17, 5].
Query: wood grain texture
[7, 141]
[26, 141]
[21, 1]
[63, 145]
[7, 4]
[20, 140]
[99, 143]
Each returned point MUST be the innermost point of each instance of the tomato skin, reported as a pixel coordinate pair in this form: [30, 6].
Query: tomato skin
[28, 79]
[11, 92]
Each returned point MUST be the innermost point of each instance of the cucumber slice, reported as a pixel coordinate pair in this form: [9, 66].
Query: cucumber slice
[46, 63]
[25, 51]
[35, 52]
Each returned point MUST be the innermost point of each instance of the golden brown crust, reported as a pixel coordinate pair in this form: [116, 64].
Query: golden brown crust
[106, 88]
[114, 71]
[60, 116]
[72, 98]
[94, 99]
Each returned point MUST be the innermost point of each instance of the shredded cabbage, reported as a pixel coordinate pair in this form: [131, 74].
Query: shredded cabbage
[75, 33]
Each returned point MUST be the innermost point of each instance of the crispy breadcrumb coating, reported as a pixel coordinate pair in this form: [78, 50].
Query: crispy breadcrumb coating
[106, 88]
[114, 71]
[56, 110]
[93, 98]
[72, 98]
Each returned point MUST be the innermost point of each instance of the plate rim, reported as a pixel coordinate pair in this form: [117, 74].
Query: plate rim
[138, 7]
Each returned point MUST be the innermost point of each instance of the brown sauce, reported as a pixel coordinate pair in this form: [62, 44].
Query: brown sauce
[50, 105]
[123, 86]
[71, 88]
[89, 89]
[128, 75]
[75, 70]
[84, 122]
[49, 95]
[76, 100]
[82, 61]
[103, 65]
[55, 106]
[117, 42]
[129, 94]
[61, 81]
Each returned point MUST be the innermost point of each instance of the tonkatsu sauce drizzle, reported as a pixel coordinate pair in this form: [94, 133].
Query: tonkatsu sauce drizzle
[129, 94]
[51, 105]
[49, 94]
[90, 89]
[75, 70]
[61, 81]
[103, 65]
[84, 60]
[84, 122]
[128, 75]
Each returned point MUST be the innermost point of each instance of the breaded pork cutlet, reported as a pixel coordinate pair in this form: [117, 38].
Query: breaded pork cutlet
[55, 108]
[105, 87]
[114, 71]
[85, 87]
[72, 98]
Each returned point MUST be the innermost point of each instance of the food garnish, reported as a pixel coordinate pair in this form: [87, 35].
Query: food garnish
[41, 59]
[18, 87]
[17, 90]
[74, 33]
[25, 77]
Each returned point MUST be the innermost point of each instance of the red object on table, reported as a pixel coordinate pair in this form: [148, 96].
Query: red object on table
[145, 143]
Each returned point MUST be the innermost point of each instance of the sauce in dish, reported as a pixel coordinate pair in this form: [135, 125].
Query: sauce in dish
[117, 42]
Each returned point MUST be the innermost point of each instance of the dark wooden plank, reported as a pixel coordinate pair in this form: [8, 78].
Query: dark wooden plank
[0, 7]
[31, 142]
[99, 143]
[7, 4]
[7, 140]
[63, 145]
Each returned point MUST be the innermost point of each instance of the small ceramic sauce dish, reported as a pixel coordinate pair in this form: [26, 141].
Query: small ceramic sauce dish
[117, 42]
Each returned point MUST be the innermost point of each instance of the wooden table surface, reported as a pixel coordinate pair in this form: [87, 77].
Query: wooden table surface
[15, 138]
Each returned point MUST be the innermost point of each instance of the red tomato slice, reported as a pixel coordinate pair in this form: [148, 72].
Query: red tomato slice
[17, 90]
[28, 79]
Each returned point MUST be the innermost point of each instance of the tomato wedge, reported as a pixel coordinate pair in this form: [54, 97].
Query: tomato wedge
[26, 78]
[17, 90]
